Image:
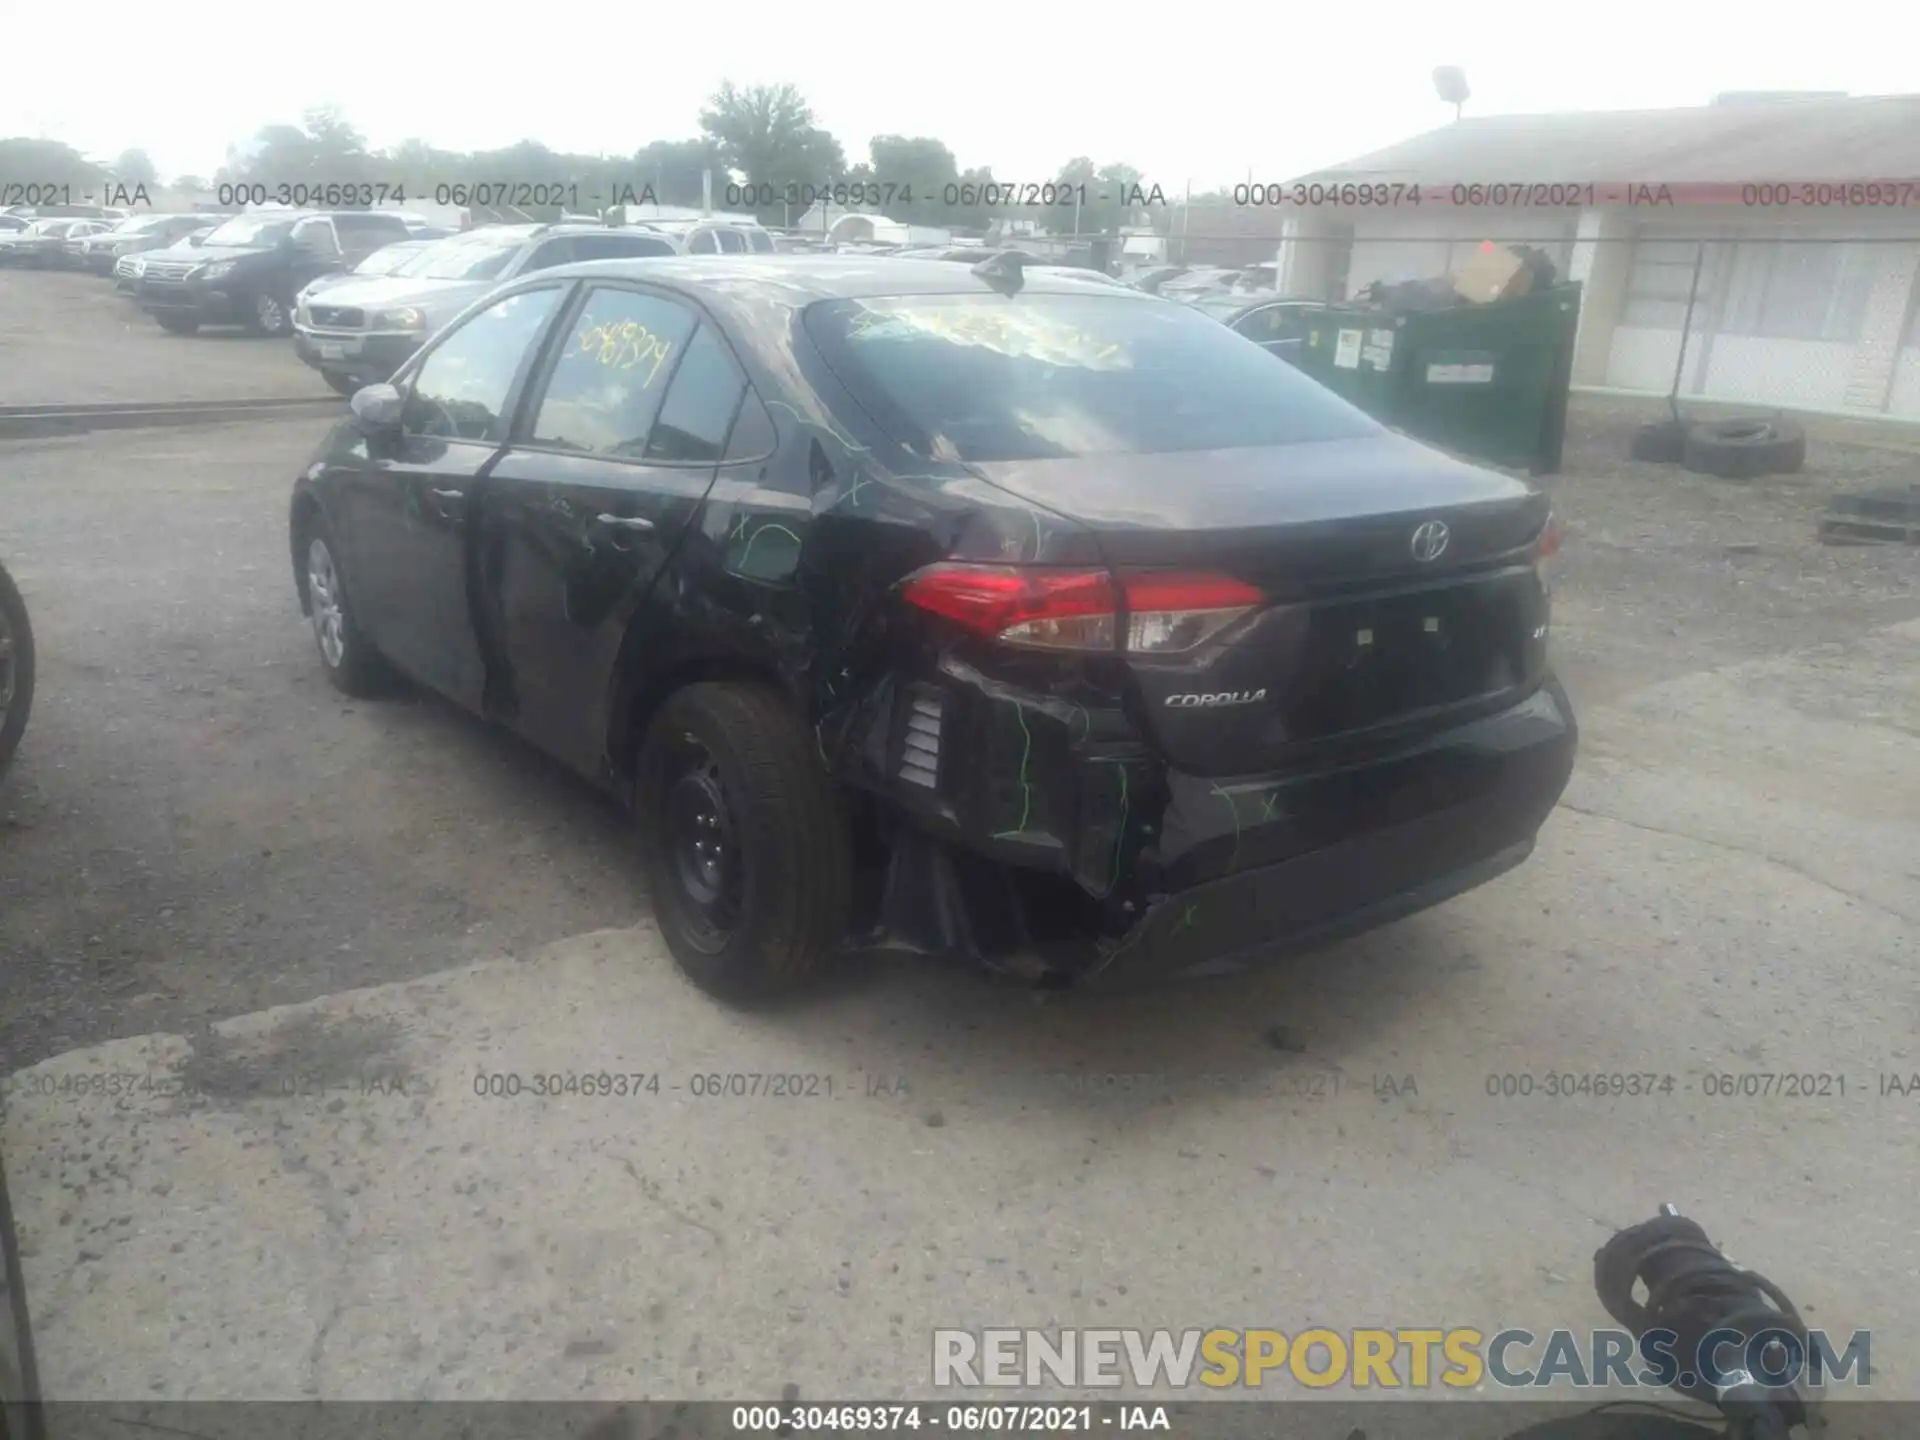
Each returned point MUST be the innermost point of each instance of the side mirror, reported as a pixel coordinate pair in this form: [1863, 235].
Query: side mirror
[377, 409]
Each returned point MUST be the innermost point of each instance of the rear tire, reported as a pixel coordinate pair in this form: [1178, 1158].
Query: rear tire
[352, 664]
[1661, 443]
[178, 324]
[16, 668]
[744, 841]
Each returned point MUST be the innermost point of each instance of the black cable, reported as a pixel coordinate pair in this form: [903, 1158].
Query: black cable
[1692, 1291]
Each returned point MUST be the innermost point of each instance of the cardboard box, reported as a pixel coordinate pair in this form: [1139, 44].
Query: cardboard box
[1493, 273]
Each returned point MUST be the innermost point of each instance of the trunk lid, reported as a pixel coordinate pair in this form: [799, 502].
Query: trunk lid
[1366, 631]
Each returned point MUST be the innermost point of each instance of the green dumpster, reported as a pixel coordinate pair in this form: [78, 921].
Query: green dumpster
[1485, 381]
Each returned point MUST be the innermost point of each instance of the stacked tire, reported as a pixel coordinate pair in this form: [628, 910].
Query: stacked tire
[1726, 449]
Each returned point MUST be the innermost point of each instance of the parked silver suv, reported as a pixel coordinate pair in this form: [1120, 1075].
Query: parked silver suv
[359, 332]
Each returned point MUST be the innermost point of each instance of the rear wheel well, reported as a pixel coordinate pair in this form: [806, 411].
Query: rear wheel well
[654, 693]
[306, 515]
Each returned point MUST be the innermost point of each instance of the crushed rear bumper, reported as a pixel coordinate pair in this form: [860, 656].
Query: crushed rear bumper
[1186, 875]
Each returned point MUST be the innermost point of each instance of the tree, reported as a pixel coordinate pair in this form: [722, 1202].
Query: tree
[766, 135]
[674, 169]
[976, 183]
[46, 165]
[135, 167]
[332, 140]
[1093, 198]
[919, 167]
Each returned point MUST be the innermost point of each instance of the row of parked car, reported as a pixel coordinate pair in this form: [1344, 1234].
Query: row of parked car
[359, 291]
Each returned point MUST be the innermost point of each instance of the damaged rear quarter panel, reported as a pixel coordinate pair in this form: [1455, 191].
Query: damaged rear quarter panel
[791, 573]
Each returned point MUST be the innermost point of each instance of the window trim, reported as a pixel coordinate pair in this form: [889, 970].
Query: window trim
[405, 378]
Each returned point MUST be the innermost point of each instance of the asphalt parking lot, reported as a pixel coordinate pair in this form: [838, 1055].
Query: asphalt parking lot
[70, 339]
[213, 868]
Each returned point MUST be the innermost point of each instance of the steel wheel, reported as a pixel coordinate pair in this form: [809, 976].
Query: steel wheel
[323, 593]
[701, 840]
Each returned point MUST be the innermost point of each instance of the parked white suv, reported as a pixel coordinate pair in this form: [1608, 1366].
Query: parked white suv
[717, 237]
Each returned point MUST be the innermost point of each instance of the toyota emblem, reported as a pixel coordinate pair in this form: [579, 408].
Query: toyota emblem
[1430, 541]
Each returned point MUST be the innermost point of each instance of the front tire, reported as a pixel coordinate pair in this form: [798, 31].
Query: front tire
[352, 664]
[341, 384]
[744, 841]
[16, 668]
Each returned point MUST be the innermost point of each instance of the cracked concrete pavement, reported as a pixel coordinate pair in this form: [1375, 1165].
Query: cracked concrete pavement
[323, 1199]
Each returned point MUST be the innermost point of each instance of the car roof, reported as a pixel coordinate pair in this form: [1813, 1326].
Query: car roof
[290, 213]
[539, 230]
[681, 222]
[798, 280]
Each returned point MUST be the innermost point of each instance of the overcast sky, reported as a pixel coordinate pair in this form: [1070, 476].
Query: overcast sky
[1214, 94]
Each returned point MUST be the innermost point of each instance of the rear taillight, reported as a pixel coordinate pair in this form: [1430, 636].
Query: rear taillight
[1544, 549]
[1548, 545]
[1162, 613]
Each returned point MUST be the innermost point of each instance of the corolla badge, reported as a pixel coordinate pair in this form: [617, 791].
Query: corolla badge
[1430, 540]
[1222, 697]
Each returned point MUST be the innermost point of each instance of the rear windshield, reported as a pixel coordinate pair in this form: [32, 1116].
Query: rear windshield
[477, 255]
[360, 228]
[262, 230]
[387, 259]
[986, 378]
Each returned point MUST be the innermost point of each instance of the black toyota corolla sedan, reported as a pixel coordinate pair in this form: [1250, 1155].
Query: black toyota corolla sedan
[969, 609]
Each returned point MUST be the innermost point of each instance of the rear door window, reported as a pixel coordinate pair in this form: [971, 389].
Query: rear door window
[984, 378]
[759, 242]
[701, 402]
[611, 374]
[702, 242]
[368, 232]
[733, 242]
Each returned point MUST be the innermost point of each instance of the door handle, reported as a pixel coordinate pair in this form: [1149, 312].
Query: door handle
[451, 494]
[626, 522]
